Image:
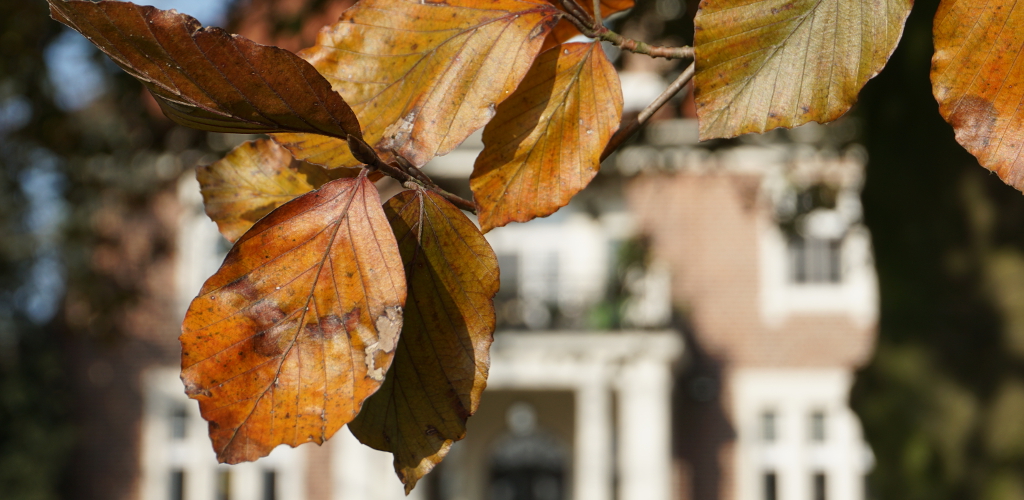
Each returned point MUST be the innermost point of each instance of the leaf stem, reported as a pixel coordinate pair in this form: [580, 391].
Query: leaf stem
[636, 46]
[627, 130]
[594, 28]
[367, 155]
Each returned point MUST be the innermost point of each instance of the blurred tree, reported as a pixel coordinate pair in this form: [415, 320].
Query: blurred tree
[942, 400]
[88, 172]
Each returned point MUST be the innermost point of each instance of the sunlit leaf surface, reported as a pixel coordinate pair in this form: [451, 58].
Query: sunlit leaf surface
[764, 64]
[253, 179]
[545, 143]
[206, 78]
[441, 365]
[299, 325]
[423, 75]
[978, 79]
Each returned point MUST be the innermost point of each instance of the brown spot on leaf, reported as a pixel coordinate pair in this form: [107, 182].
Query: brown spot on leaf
[331, 326]
[973, 119]
[350, 320]
[242, 287]
[193, 391]
[265, 314]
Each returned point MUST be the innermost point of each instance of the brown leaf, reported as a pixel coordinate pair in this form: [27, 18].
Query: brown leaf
[978, 79]
[565, 30]
[545, 143]
[423, 75]
[765, 64]
[441, 365]
[206, 78]
[299, 325]
[254, 179]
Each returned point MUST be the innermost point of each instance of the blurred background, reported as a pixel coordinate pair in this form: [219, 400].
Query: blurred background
[833, 312]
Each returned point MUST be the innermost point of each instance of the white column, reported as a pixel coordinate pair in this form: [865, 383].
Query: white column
[645, 432]
[363, 473]
[592, 469]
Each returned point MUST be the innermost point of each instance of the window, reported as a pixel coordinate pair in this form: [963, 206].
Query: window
[817, 427]
[269, 485]
[814, 260]
[177, 485]
[179, 422]
[818, 486]
[508, 264]
[224, 484]
[769, 433]
[771, 487]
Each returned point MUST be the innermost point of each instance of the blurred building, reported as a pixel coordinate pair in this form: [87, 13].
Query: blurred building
[686, 329]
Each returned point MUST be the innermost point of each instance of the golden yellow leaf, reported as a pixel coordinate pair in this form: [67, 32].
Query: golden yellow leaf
[978, 79]
[299, 325]
[441, 365]
[253, 179]
[206, 78]
[764, 64]
[544, 145]
[423, 75]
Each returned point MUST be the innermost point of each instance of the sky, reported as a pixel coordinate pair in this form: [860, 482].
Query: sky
[70, 59]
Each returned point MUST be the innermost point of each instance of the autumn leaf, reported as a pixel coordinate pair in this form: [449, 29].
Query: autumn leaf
[564, 30]
[423, 75]
[252, 180]
[978, 79]
[299, 325]
[544, 144]
[208, 79]
[765, 64]
[441, 364]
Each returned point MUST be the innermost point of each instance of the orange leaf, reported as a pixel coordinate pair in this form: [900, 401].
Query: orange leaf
[544, 144]
[208, 79]
[978, 79]
[299, 325]
[423, 75]
[442, 360]
[565, 30]
[254, 179]
[765, 64]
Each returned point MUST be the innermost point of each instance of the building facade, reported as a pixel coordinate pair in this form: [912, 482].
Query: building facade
[713, 364]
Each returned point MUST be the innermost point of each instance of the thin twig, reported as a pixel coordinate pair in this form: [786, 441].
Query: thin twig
[594, 28]
[627, 130]
[411, 169]
[628, 44]
[365, 154]
[579, 17]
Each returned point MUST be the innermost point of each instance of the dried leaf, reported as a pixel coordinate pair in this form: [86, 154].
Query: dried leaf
[545, 143]
[442, 360]
[765, 64]
[206, 78]
[978, 79]
[254, 179]
[299, 325]
[423, 75]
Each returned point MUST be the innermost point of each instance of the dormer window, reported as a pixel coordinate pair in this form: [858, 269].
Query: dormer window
[815, 260]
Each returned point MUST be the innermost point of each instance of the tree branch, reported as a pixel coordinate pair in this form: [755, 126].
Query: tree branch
[627, 130]
[367, 155]
[636, 46]
[593, 28]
